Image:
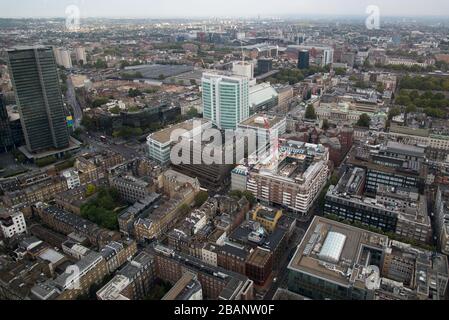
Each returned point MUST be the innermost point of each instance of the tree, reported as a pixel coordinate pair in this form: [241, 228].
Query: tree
[115, 110]
[236, 194]
[100, 64]
[250, 197]
[380, 87]
[192, 113]
[103, 209]
[364, 121]
[310, 112]
[411, 109]
[394, 112]
[201, 198]
[325, 124]
[184, 209]
[340, 71]
[133, 93]
[99, 102]
[90, 190]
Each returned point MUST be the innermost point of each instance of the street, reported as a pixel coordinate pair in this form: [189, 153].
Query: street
[71, 98]
[94, 140]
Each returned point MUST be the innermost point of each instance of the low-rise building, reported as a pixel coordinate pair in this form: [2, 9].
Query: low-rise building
[259, 266]
[131, 189]
[217, 283]
[188, 288]
[67, 223]
[72, 178]
[133, 282]
[12, 223]
[75, 281]
[267, 217]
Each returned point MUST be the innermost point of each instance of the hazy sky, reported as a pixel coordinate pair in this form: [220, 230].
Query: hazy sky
[206, 8]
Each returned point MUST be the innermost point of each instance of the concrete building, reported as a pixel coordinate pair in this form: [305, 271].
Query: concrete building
[80, 55]
[262, 97]
[63, 57]
[72, 178]
[160, 143]
[434, 142]
[393, 165]
[131, 189]
[244, 69]
[339, 262]
[12, 223]
[394, 209]
[225, 99]
[265, 128]
[293, 181]
[188, 288]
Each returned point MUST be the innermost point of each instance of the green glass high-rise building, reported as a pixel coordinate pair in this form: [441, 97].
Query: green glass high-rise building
[38, 95]
[225, 100]
[6, 139]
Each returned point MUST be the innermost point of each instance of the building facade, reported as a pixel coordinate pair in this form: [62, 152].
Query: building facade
[225, 99]
[36, 84]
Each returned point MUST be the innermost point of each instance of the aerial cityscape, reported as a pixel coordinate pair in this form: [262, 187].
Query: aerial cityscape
[256, 151]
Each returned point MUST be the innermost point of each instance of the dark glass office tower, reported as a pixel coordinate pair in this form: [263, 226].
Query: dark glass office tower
[264, 65]
[36, 84]
[303, 59]
[6, 139]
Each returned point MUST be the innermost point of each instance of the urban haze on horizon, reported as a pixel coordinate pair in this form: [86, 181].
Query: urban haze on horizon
[217, 8]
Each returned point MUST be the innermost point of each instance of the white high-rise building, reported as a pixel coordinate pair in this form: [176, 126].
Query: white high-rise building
[63, 58]
[80, 55]
[225, 99]
[244, 69]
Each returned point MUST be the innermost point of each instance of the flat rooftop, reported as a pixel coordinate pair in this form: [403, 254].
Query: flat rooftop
[401, 148]
[261, 120]
[164, 135]
[344, 245]
[73, 145]
[154, 71]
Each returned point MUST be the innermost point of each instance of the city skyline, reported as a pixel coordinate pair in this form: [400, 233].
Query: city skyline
[221, 152]
[231, 8]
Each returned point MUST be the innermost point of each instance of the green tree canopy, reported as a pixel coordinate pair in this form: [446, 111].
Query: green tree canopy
[201, 198]
[310, 112]
[364, 121]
